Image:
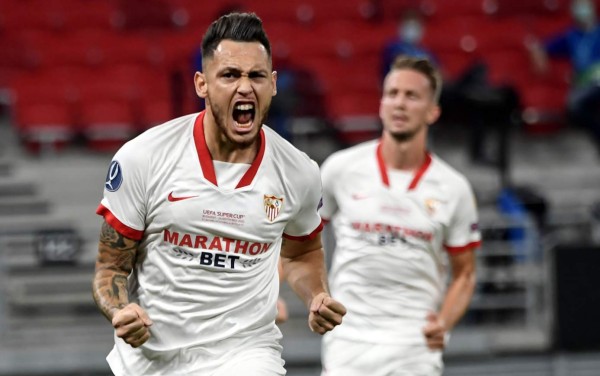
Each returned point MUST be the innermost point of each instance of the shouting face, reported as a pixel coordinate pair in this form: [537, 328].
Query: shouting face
[238, 84]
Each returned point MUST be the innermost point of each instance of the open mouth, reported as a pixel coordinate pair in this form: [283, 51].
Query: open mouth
[243, 114]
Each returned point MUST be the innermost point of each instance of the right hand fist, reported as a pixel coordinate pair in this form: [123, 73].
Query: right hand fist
[131, 324]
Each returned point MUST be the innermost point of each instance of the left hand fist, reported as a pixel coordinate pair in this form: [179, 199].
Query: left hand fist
[325, 313]
[435, 332]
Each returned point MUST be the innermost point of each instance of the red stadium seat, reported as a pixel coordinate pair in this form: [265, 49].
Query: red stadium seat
[107, 124]
[43, 112]
[516, 8]
[449, 9]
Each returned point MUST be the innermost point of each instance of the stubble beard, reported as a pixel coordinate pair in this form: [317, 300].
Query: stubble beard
[221, 120]
[406, 135]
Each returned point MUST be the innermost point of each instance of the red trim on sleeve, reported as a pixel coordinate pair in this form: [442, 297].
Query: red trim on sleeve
[118, 225]
[325, 220]
[310, 236]
[420, 172]
[472, 245]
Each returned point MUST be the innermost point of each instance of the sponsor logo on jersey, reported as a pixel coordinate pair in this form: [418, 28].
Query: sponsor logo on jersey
[273, 206]
[392, 229]
[215, 243]
[114, 177]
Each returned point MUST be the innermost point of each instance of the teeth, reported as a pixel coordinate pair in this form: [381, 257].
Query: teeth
[244, 107]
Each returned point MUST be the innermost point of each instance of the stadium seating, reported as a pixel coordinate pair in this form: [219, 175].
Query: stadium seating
[339, 42]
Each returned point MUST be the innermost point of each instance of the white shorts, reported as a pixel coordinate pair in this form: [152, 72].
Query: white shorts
[348, 358]
[259, 359]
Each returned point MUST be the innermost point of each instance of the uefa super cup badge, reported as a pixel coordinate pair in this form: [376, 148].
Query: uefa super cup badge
[272, 206]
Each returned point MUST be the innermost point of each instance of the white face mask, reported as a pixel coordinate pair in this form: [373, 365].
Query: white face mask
[411, 31]
[584, 12]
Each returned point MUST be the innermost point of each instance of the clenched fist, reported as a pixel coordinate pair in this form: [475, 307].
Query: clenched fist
[131, 323]
[325, 313]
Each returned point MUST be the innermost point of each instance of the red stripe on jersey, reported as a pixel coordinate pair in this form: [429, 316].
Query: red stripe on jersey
[251, 173]
[382, 169]
[416, 178]
[204, 156]
[118, 225]
[420, 172]
[472, 245]
[310, 236]
[206, 161]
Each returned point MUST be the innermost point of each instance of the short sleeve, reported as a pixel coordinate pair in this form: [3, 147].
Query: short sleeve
[307, 222]
[123, 205]
[463, 231]
[328, 176]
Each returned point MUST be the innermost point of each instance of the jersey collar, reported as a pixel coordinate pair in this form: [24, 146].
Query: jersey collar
[206, 161]
[416, 178]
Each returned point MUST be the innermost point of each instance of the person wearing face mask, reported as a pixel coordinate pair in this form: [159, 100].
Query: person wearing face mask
[407, 42]
[580, 44]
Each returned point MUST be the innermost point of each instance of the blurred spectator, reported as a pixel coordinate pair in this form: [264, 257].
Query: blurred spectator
[407, 42]
[580, 44]
[469, 99]
[299, 94]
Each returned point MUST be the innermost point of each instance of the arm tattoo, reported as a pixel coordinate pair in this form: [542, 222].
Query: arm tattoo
[116, 257]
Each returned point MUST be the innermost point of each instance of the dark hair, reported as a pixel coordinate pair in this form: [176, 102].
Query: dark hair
[239, 27]
[424, 66]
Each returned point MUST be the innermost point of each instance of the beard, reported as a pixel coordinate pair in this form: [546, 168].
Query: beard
[403, 136]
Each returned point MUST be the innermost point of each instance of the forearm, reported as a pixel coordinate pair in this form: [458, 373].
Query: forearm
[306, 274]
[116, 256]
[110, 290]
[457, 299]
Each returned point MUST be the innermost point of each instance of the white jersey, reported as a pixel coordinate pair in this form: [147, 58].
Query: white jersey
[206, 269]
[393, 229]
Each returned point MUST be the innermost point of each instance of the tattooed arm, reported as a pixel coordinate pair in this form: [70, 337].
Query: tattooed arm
[116, 256]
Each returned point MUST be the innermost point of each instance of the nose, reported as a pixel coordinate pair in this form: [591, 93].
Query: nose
[245, 85]
[400, 100]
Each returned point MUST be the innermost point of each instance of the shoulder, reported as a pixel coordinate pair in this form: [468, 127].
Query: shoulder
[158, 138]
[286, 155]
[449, 175]
[351, 157]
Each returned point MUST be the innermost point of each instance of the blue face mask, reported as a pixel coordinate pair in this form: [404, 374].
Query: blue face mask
[411, 31]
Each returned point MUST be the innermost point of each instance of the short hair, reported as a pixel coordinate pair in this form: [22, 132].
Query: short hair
[239, 27]
[424, 66]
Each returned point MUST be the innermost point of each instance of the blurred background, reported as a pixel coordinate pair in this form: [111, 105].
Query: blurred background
[78, 78]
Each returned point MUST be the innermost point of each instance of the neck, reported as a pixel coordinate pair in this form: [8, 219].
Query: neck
[403, 155]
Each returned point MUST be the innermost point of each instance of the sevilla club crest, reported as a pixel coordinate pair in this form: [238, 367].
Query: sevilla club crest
[272, 206]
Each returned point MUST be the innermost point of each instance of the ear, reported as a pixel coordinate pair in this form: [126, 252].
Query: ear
[274, 82]
[433, 114]
[200, 85]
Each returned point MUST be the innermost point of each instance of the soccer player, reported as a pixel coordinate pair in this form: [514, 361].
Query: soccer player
[401, 218]
[197, 213]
